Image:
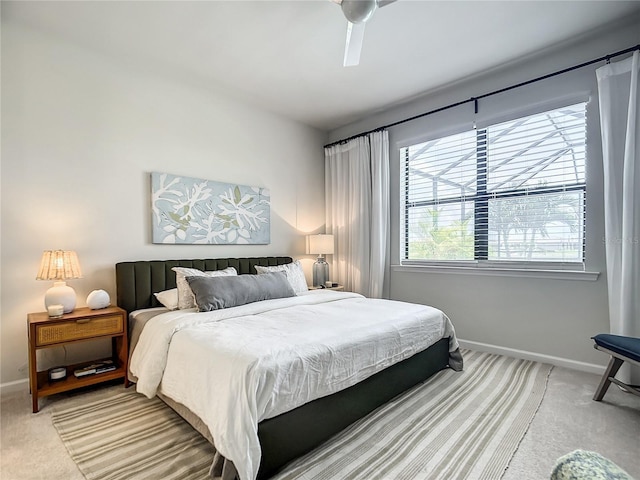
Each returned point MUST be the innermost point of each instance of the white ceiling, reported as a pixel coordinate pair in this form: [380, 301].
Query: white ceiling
[286, 56]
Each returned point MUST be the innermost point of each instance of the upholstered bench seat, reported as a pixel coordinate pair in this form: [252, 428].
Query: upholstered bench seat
[622, 349]
[626, 346]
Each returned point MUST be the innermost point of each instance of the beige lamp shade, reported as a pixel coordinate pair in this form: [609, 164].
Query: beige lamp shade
[59, 265]
[320, 244]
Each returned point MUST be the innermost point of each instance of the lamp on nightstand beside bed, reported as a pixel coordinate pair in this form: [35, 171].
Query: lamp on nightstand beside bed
[59, 265]
[320, 244]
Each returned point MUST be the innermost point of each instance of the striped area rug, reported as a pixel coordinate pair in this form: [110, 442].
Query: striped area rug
[457, 425]
[127, 436]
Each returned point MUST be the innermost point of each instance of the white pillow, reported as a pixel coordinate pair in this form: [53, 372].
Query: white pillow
[185, 295]
[293, 272]
[168, 298]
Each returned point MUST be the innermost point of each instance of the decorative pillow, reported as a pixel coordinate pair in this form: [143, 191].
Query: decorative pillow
[185, 296]
[168, 298]
[293, 272]
[214, 293]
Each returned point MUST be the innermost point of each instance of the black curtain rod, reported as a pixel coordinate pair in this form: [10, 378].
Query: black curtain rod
[495, 92]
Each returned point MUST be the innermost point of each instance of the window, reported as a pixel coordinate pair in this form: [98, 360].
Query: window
[511, 192]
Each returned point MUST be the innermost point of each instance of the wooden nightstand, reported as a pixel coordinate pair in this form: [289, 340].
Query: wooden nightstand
[80, 325]
[339, 288]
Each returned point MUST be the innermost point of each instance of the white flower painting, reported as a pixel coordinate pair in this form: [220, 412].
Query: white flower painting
[193, 211]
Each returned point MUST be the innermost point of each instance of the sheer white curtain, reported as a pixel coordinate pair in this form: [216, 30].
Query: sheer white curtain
[618, 94]
[357, 212]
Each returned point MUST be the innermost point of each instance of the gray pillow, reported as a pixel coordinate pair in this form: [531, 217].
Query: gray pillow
[214, 293]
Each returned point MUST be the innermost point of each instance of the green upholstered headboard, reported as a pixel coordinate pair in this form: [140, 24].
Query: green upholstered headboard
[136, 282]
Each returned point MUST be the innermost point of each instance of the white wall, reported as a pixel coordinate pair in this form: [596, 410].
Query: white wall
[522, 316]
[81, 133]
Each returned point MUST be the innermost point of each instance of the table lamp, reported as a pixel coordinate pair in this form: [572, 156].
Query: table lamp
[59, 265]
[320, 244]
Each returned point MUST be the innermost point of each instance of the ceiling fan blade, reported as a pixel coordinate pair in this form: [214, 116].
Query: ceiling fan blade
[353, 47]
[382, 3]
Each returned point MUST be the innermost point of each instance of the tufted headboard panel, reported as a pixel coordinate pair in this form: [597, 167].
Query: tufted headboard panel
[136, 282]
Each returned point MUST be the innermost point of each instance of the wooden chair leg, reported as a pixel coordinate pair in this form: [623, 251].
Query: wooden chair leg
[610, 372]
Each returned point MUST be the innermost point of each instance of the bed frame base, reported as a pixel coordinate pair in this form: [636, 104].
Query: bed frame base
[292, 434]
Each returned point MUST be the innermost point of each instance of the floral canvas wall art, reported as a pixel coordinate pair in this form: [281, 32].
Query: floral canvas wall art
[194, 211]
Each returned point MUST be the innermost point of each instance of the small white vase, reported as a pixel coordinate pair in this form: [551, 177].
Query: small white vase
[98, 299]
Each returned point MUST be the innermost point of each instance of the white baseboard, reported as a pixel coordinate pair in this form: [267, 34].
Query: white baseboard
[12, 387]
[537, 357]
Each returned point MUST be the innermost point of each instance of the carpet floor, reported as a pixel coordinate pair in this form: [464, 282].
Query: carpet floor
[455, 425]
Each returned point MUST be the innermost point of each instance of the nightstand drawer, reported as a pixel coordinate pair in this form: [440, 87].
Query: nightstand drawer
[79, 329]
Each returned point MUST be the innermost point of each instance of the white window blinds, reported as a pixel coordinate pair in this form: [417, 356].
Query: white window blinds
[514, 191]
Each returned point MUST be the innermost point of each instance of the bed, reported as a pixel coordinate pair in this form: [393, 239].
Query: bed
[293, 431]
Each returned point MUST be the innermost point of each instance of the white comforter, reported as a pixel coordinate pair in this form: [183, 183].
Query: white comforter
[238, 366]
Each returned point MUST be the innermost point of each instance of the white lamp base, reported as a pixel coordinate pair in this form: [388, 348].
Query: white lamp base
[61, 294]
